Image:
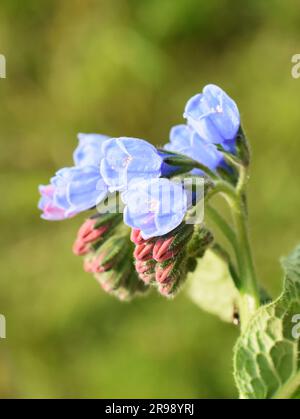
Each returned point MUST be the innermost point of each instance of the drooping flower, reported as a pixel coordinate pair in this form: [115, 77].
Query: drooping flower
[128, 159]
[185, 140]
[214, 116]
[46, 204]
[77, 189]
[155, 206]
[89, 150]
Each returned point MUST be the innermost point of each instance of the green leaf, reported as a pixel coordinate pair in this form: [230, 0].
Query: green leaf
[266, 359]
[211, 287]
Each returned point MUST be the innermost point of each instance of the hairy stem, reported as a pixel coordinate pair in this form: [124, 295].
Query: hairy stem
[249, 293]
[226, 229]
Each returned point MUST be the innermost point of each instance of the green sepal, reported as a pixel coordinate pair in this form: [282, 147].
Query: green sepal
[202, 238]
[103, 219]
[242, 147]
[115, 248]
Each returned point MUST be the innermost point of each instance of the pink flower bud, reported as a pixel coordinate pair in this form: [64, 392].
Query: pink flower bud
[163, 273]
[162, 249]
[97, 266]
[123, 283]
[170, 274]
[106, 282]
[136, 236]
[110, 258]
[143, 251]
[147, 279]
[166, 289]
[79, 248]
[141, 267]
[168, 246]
[146, 270]
[87, 233]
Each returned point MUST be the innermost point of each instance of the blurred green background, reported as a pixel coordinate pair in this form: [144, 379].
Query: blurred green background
[127, 67]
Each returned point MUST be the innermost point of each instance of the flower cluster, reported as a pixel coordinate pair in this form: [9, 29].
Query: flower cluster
[156, 202]
[148, 229]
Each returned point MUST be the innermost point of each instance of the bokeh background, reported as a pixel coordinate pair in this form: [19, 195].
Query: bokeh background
[127, 67]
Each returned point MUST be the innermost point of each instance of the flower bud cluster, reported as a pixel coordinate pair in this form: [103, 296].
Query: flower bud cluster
[165, 261]
[107, 251]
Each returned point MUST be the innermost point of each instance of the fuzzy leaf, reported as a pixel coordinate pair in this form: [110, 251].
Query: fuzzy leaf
[211, 287]
[266, 360]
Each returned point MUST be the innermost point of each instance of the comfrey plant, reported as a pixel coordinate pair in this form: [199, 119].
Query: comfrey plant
[163, 241]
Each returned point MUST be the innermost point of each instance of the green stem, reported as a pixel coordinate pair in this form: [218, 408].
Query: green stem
[249, 293]
[249, 299]
[242, 180]
[219, 250]
[206, 170]
[225, 229]
[221, 186]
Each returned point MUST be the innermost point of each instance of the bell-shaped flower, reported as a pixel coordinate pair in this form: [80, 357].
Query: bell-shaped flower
[214, 116]
[46, 204]
[89, 150]
[128, 159]
[185, 140]
[155, 206]
[73, 189]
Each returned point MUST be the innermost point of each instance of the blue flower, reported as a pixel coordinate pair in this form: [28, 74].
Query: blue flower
[185, 140]
[78, 188]
[155, 206]
[74, 189]
[128, 159]
[214, 116]
[46, 204]
[88, 152]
